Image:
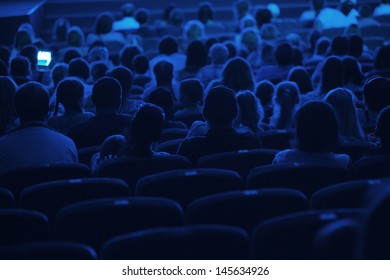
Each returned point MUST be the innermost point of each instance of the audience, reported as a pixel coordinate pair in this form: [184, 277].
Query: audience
[34, 143]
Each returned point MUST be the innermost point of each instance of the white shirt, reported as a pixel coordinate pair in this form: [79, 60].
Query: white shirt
[382, 9]
[127, 23]
[334, 18]
[33, 144]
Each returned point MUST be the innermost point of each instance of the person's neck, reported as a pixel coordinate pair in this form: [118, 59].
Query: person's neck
[73, 111]
[102, 112]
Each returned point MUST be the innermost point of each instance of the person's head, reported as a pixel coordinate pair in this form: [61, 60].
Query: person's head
[167, 10]
[205, 12]
[124, 76]
[58, 73]
[196, 55]
[168, 45]
[60, 29]
[365, 11]
[142, 16]
[20, 67]
[332, 74]
[191, 93]
[346, 6]
[70, 94]
[210, 41]
[340, 45]
[98, 70]
[249, 110]
[103, 23]
[79, 67]
[284, 54]
[301, 77]
[249, 39]
[141, 64]
[107, 94]
[163, 72]
[294, 39]
[265, 91]
[268, 31]
[127, 10]
[193, 30]
[147, 125]
[30, 52]
[5, 54]
[32, 102]
[241, 8]
[232, 48]
[322, 46]
[317, 5]
[7, 102]
[127, 54]
[355, 46]
[268, 54]
[220, 108]
[162, 98]
[312, 39]
[237, 75]
[342, 102]
[316, 127]
[75, 37]
[382, 58]
[218, 53]
[176, 17]
[382, 130]
[263, 16]
[285, 100]
[112, 146]
[247, 21]
[352, 71]
[98, 53]
[376, 94]
[22, 38]
[71, 53]
[297, 56]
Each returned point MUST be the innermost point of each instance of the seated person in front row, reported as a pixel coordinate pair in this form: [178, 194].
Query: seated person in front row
[317, 135]
[34, 143]
[220, 110]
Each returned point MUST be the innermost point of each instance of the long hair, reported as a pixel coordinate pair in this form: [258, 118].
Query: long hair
[237, 75]
[250, 110]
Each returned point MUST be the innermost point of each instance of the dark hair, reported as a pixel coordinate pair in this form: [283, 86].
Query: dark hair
[265, 91]
[355, 46]
[5, 54]
[237, 75]
[127, 10]
[284, 54]
[79, 67]
[205, 12]
[176, 17]
[163, 98]
[20, 67]
[313, 37]
[167, 10]
[192, 89]
[382, 126]
[75, 37]
[107, 93]
[332, 74]
[340, 45]
[231, 48]
[163, 72]
[352, 71]
[30, 52]
[376, 93]
[168, 45]
[249, 110]
[140, 64]
[322, 46]
[32, 102]
[196, 56]
[127, 54]
[220, 105]
[103, 23]
[70, 93]
[7, 102]
[263, 16]
[287, 97]
[98, 69]
[124, 76]
[382, 58]
[60, 29]
[70, 54]
[142, 16]
[22, 39]
[147, 125]
[58, 72]
[301, 77]
[316, 127]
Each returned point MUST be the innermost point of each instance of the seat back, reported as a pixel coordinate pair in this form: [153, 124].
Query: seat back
[372, 167]
[307, 178]
[52, 196]
[169, 146]
[85, 154]
[131, 169]
[241, 161]
[292, 237]
[185, 186]
[18, 179]
[172, 133]
[93, 222]
[245, 209]
[276, 139]
[204, 242]
[22, 226]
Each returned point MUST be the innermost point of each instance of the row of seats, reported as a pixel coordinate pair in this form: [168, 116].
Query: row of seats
[126, 229]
